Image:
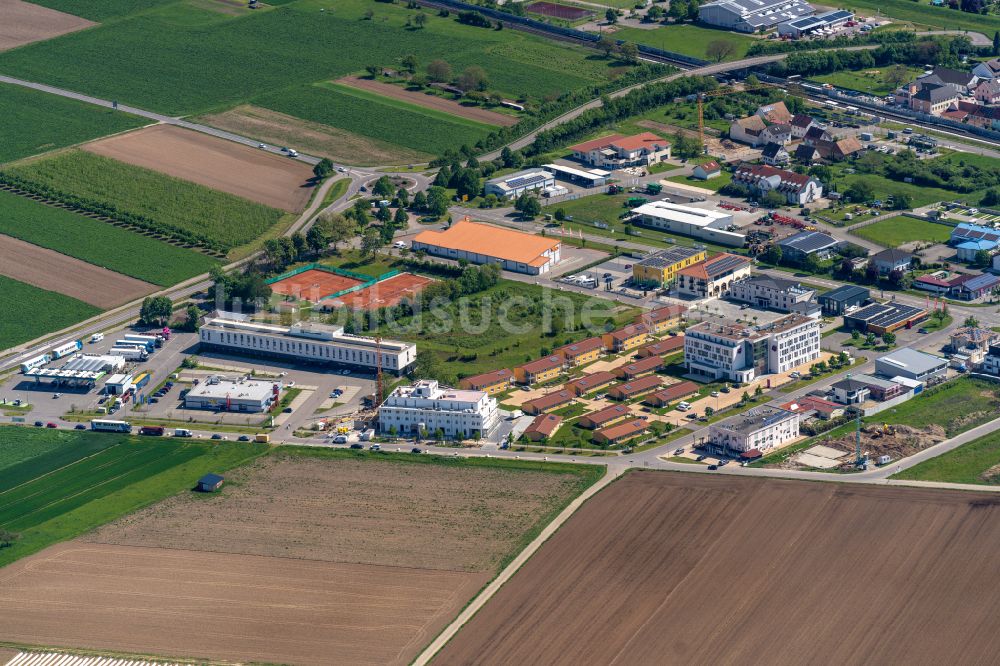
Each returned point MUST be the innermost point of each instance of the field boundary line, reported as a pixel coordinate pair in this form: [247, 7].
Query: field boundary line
[473, 607]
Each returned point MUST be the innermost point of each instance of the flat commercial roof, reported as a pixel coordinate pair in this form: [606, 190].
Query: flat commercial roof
[886, 314]
[913, 361]
[694, 216]
[593, 174]
[669, 257]
[224, 389]
[489, 241]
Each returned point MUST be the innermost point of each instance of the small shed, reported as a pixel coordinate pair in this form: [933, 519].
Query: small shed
[209, 483]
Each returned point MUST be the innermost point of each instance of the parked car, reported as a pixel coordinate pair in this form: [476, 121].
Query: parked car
[39, 424]
[243, 438]
[416, 449]
[340, 439]
[216, 436]
[56, 395]
[375, 447]
[700, 458]
[713, 467]
[714, 394]
[79, 426]
[357, 445]
[50, 424]
[679, 451]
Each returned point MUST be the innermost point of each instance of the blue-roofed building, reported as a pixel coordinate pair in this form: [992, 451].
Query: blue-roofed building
[210, 483]
[973, 232]
[967, 250]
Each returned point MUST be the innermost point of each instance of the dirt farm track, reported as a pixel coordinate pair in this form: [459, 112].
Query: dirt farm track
[273, 180]
[222, 606]
[431, 101]
[22, 23]
[673, 568]
[57, 272]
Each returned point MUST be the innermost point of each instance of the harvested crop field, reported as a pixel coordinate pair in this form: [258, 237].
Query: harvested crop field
[269, 179]
[313, 284]
[233, 607]
[726, 570]
[386, 293]
[362, 511]
[430, 101]
[23, 23]
[558, 11]
[57, 272]
[281, 129]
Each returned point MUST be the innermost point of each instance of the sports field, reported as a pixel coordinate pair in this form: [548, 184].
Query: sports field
[386, 293]
[25, 22]
[710, 570]
[197, 60]
[687, 39]
[308, 557]
[163, 204]
[225, 166]
[48, 312]
[896, 231]
[313, 284]
[99, 243]
[35, 122]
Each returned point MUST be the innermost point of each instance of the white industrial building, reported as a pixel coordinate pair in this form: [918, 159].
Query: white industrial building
[821, 23]
[425, 406]
[767, 292]
[244, 395]
[752, 15]
[588, 178]
[304, 342]
[753, 432]
[741, 352]
[514, 185]
[709, 225]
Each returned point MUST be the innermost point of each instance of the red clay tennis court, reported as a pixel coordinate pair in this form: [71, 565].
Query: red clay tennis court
[386, 293]
[312, 285]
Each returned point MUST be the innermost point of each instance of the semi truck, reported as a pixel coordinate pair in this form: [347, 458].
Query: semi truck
[129, 353]
[108, 425]
[148, 346]
[66, 349]
[155, 341]
[35, 362]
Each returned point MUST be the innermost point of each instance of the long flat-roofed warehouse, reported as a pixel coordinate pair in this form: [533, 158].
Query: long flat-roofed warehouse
[752, 15]
[878, 318]
[707, 225]
[485, 244]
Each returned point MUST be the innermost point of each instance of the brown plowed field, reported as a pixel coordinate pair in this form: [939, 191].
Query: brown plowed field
[385, 293]
[235, 607]
[339, 145]
[313, 284]
[671, 568]
[273, 180]
[57, 272]
[22, 23]
[430, 101]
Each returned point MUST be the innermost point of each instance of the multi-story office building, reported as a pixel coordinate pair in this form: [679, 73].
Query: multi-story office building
[754, 431]
[425, 406]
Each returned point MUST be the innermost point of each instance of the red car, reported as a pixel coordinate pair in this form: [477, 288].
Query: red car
[50, 424]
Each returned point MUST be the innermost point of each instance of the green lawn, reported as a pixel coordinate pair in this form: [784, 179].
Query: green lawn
[195, 60]
[99, 243]
[377, 117]
[36, 122]
[28, 312]
[868, 80]
[883, 187]
[164, 204]
[924, 15]
[75, 481]
[686, 39]
[895, 231]
[714, 184]
[970, 463]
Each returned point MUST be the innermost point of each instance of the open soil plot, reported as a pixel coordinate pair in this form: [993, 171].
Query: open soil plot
[57, 272]
[672, 568]
[273, 180]
[186, 603]
[313, 284]
[385, 293]
[431, 101]
[22, 23]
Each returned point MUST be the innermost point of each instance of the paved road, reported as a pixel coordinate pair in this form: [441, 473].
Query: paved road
[977, 38]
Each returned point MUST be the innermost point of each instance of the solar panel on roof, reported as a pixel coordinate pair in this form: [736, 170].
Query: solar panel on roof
[725, 264]
[525, 180]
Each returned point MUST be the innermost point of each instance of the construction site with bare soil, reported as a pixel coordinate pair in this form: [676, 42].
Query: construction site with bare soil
[677, 568]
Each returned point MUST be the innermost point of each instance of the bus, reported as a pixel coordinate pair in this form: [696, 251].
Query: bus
[107, 425]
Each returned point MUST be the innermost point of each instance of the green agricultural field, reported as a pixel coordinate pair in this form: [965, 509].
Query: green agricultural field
[923, 14]
[196, 61]
[217, 219]
[36, 122]
[75, 481]
[100, 10]
[871, 81]
[975, 462]
[99, 243]
[28, 312]
[687, 39]
[895, 231]
[359, 111]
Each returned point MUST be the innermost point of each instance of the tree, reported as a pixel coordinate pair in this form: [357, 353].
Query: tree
[889, 338]
[611, 16]
[772, 199]
[426, 365]
[383, 187]
[374, 71]
[990, 198]
[403, 195]
[443, 177]
[677, 10]
[472, 78]
[437, 201]
[629, 52]
[192, 315]
[996, 43]
[439, 71]
[420, 20]
[8, 538]
[606, 44]
[409, 63]
[855, 335]
[360, 212]
[983, 258]
[467, 183]
[323, 168]
[708, 412]
[528, 205]
[870, 339]
[400, 219]
[336, 228]
[560, 214]
[316, 238]
[299, 244]
[155, 310]
[860, 191]
[971, 322]
[720, 49]
[773, 254]
[383, 215]
[371, 242]
[759, 391]
[811, 263]
[419, 201]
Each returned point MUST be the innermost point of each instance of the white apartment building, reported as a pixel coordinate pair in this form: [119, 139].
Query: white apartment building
[757, 429]
[740, 352]
[426, 406]
[305, 342]
[773, 293]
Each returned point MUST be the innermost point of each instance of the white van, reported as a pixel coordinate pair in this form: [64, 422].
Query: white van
[340, 439]
[97, 337]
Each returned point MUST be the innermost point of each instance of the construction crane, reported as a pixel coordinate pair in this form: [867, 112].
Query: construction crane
[378, 371]
[720, 92]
